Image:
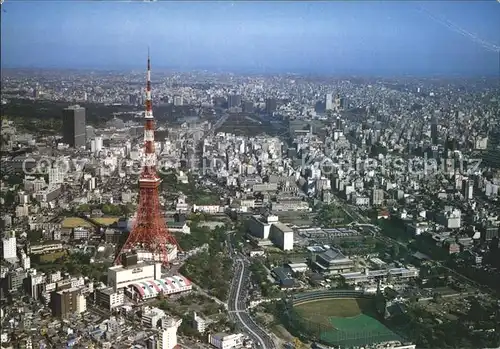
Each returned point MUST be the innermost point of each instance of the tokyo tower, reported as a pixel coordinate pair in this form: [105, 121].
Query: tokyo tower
[150, 233]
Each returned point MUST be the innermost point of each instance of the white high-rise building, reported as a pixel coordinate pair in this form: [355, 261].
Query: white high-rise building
[56, 175]
[96, 145]
[25, 261]
[9, 247]
[81, 304]
[167, 338]
[178, 100]
[329, 102]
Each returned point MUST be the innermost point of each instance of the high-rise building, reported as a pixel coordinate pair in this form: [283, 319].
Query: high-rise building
[377, 197]
[9, 244]
[271, 105]
[233, 101]
[167, 338]
[329, 102]
[96, 145]
[67, 302]
[468, 188]
[344, 103]
[248, 107]
[36, 92]
[74, 126]
[56, 175]
[338, 123]
[178, 100]
[434, 130]
[336, 104]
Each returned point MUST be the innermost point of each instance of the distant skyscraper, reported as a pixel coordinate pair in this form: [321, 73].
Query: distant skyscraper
[336, 104]
[56, 175]
[434, 130]
[468, 188]
[132, 99]
[74, 126]
[338, 123]
[248, 107]
[36, 92]
[329, 101]
[233, 101]
[271, 105]
[178, 100]
[9, 247]
[96, 145]
[343, 103]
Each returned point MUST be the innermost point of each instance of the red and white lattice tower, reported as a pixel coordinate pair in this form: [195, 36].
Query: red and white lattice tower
[150, 233]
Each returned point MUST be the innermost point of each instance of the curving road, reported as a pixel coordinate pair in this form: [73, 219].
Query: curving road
[237, 303]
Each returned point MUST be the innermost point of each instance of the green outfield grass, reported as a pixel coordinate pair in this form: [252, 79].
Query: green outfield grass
[321, 311]
[106, 220]
[73, 222]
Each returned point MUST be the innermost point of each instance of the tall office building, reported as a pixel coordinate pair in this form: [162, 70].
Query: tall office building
[248, 107]
[468, 187]
[74, 126]
[329, 102]
[434, 130]
[9, 244]
[233, 101]
[178, 101]
[336, 104]
[167, 338]
[271, 105]
[67, 302]
[96, 145]
[56, 175]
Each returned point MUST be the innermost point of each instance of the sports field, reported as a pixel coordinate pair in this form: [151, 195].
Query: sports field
[106, 220]
[344, 321]
[73, 222]
[321, 311]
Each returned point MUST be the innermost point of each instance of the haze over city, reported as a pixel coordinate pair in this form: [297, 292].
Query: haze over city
[381, 38]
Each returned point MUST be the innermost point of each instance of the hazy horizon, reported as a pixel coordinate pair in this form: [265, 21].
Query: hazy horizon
[332, 38]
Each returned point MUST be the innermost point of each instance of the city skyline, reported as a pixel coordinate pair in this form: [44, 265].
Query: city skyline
[395, 38]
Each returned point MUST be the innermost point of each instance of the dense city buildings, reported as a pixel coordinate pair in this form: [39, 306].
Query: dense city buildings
[361, 194]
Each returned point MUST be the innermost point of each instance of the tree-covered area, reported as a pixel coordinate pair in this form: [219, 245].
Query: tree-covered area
[200, 235]
[377, 149]
[368, 245]
[187, 329]
[199, 303]
[477, 327]
[107, 209]
[194, 193]
[76, 264]
[259, 275]
[46, 116]
[210, 270]
[394, 228]
[9, 198]
[332, 215]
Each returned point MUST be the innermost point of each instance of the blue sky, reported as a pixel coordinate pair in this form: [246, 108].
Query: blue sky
[356, 37]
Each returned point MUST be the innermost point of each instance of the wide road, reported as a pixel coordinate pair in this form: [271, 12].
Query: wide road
[237, 306]
[236, 303]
